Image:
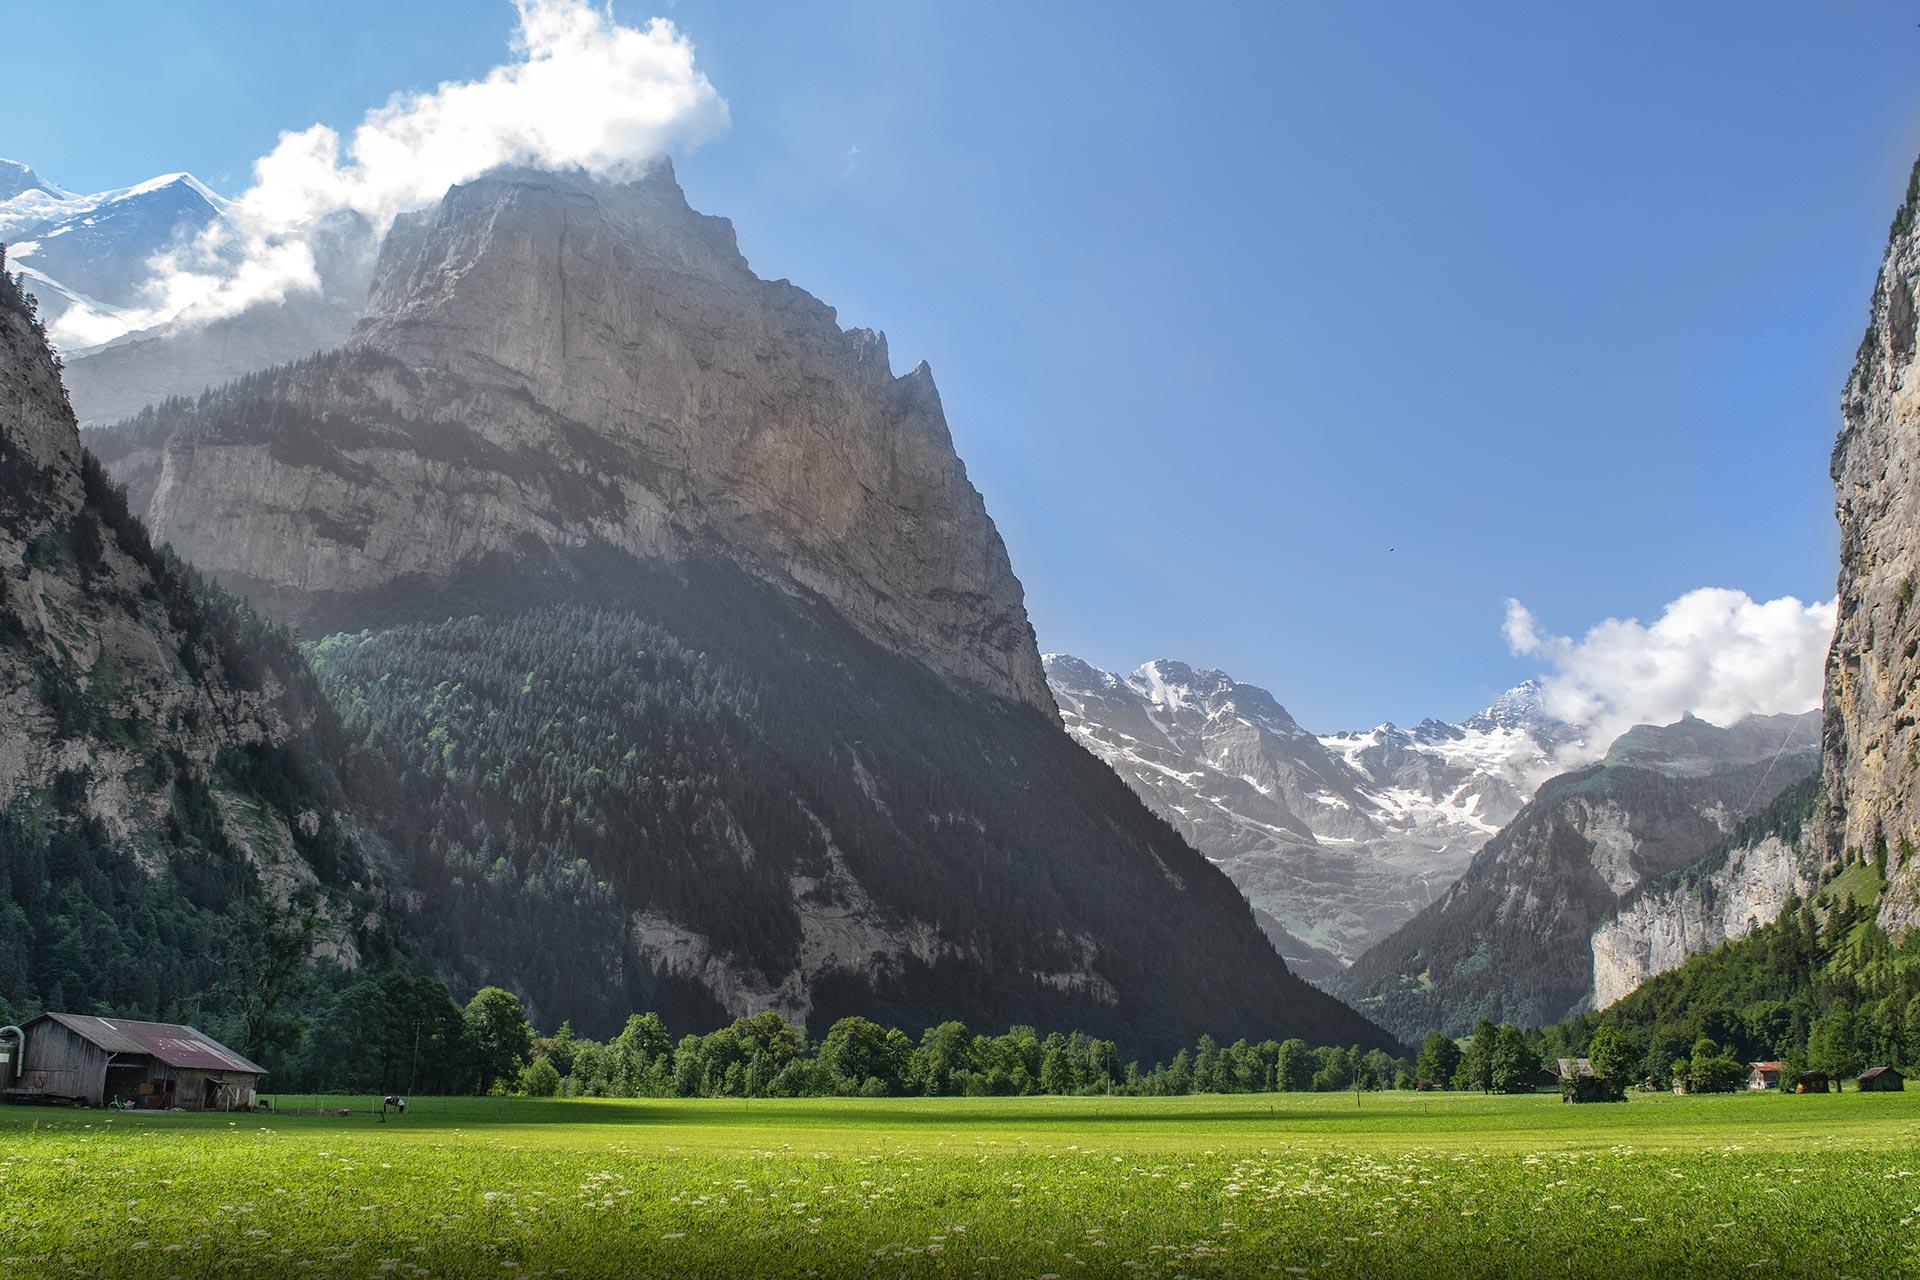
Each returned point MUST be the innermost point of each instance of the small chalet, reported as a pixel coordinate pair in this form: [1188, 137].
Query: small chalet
[1763, 1075]
[1881, 1080]
[69, 1057]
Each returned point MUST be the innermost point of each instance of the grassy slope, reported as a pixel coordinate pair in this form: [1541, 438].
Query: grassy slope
[1406, 1184]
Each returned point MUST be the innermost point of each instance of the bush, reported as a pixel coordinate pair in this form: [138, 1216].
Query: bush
[540, 1079]
[1715, 1075]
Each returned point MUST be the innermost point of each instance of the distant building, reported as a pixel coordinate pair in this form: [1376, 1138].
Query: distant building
[69, 1057]
[1811, 1082]
[1763, 1075]
[1881, 1080]
[1580, 1083]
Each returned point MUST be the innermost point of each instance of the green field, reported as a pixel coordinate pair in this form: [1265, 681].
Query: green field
[1289, 1184]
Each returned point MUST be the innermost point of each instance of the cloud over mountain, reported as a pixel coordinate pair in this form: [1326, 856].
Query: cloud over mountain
[581, 91]
[1713, 652]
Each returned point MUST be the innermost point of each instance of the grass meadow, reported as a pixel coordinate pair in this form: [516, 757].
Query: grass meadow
[1251, 1185]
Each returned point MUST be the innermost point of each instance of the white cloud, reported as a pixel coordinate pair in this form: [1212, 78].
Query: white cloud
[582, 91]
[1714, 653]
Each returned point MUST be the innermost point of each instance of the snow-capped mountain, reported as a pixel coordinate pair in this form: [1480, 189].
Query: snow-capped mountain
[86, 257]
[16, 178]
[89, 260]
[1336, 839]
[1474, 775]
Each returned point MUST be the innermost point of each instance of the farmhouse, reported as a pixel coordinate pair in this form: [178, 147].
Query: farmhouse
[1881, 1080]
[68, 1057]
[1763, 1075]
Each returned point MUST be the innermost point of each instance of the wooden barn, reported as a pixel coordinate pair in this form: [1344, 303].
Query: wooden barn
[70, 1057]
[1764, 1075]
[1881, 1080]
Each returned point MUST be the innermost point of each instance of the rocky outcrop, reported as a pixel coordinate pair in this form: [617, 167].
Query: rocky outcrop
[552, 360]
[1872, 730]
[1511, 940]
[1336, 840]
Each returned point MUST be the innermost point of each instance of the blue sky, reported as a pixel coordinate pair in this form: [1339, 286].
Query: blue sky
[1293, 341]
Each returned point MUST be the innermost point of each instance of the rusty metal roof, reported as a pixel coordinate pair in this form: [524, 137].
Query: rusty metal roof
[178, 1046]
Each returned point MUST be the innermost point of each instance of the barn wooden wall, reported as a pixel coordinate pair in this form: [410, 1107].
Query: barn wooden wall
[58, 1061]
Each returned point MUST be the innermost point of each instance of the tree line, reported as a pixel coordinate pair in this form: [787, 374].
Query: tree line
[399, 1030]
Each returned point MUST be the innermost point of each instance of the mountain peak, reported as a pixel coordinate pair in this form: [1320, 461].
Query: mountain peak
[17, 178]
[1068, 674]
[1522, 707]
[1177, 686]
[182, 181]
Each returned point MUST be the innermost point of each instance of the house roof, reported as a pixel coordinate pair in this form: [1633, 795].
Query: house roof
[178, 1046]
[1874, 1072]
[1572, 1068]
[1766, 1066]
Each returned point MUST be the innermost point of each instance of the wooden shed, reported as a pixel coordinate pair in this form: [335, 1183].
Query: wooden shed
[1812, 1082]
[1764, 1075]
[1881, 1080]
[71, 1057]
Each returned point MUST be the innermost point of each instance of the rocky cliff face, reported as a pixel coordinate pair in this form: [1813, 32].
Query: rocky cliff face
[1666, 924]
[1336, 840]
[1511, 939]
[139, 717]
[555, 360]
[1872, 732]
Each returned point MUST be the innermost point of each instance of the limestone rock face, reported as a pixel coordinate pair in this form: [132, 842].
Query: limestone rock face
[1872, 729]
[552, 359]
[1666, 925]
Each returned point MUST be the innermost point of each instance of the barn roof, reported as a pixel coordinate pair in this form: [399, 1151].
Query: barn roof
[1873, 1073]
[178, 1046]
[1766, 1066]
